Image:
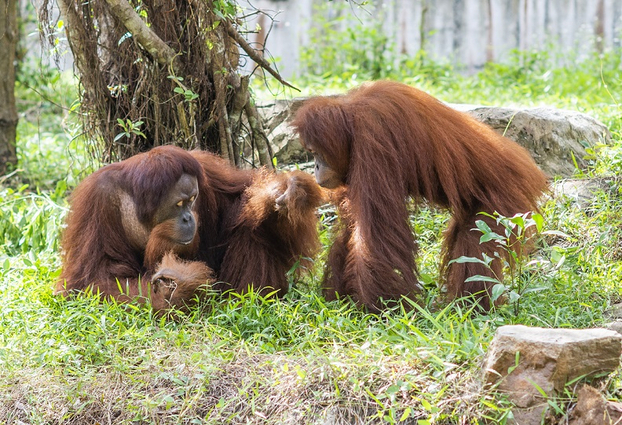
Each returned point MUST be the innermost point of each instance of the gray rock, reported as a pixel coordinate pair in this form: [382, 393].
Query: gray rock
[581, 191]
[534, 415]
[523, 361]
[276, 116]
[553, 136]
[593, 409]
[615, 326]
[614, 312]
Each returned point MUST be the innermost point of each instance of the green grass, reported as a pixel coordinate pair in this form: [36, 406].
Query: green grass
[301, 359]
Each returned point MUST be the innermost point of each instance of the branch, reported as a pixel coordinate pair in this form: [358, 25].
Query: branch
[252, 53]
[150, 41]
[75, 33]
[239, 86]
[263, 146]
[220, 86]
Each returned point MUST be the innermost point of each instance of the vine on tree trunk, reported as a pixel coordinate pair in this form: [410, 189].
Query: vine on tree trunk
[156, 72]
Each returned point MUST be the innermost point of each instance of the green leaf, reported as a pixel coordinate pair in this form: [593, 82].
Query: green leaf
[490, 236]
[463, 259]
[481, 225]
[497, 291]
[539, 220]
[519, 220]
[481, 278]
[556, 233]
[120, 136]
[538, 289]
[514, 296]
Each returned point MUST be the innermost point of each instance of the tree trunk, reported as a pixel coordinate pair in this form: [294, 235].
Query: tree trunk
[8, 111]
[164, 72]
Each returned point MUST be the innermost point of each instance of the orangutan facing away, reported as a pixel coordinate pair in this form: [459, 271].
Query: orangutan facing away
[385, 141]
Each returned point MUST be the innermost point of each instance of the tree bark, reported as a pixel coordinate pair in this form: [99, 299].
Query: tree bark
[173, 68]
[157, 48]
[8, 110]
[263, 146]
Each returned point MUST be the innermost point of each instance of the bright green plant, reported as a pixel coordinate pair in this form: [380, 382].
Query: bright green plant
[519, 236]
[129, 128]
[188, 94]
[344, 46]
[30, 222]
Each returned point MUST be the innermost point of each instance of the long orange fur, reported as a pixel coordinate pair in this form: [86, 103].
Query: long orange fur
[392, 141]
[252, 228]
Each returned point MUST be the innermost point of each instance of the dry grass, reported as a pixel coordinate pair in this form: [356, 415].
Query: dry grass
[249, 389]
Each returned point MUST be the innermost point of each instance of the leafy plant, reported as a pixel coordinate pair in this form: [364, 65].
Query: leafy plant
[345, 46]
[30, 222]
[188, 94]
[129, 128]
[520, 232]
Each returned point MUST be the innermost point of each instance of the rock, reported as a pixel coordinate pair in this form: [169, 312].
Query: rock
[534, 415]
[614, 312]
[615, 326]
[581, 191]
[276, 116]
[593, 409]
[553, 136]
[525, 360]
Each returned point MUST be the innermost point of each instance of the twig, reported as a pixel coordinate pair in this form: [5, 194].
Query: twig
[252, 53]
[263, 147]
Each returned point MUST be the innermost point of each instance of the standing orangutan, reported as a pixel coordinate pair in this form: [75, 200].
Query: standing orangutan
[384, 141]
[162, 224]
